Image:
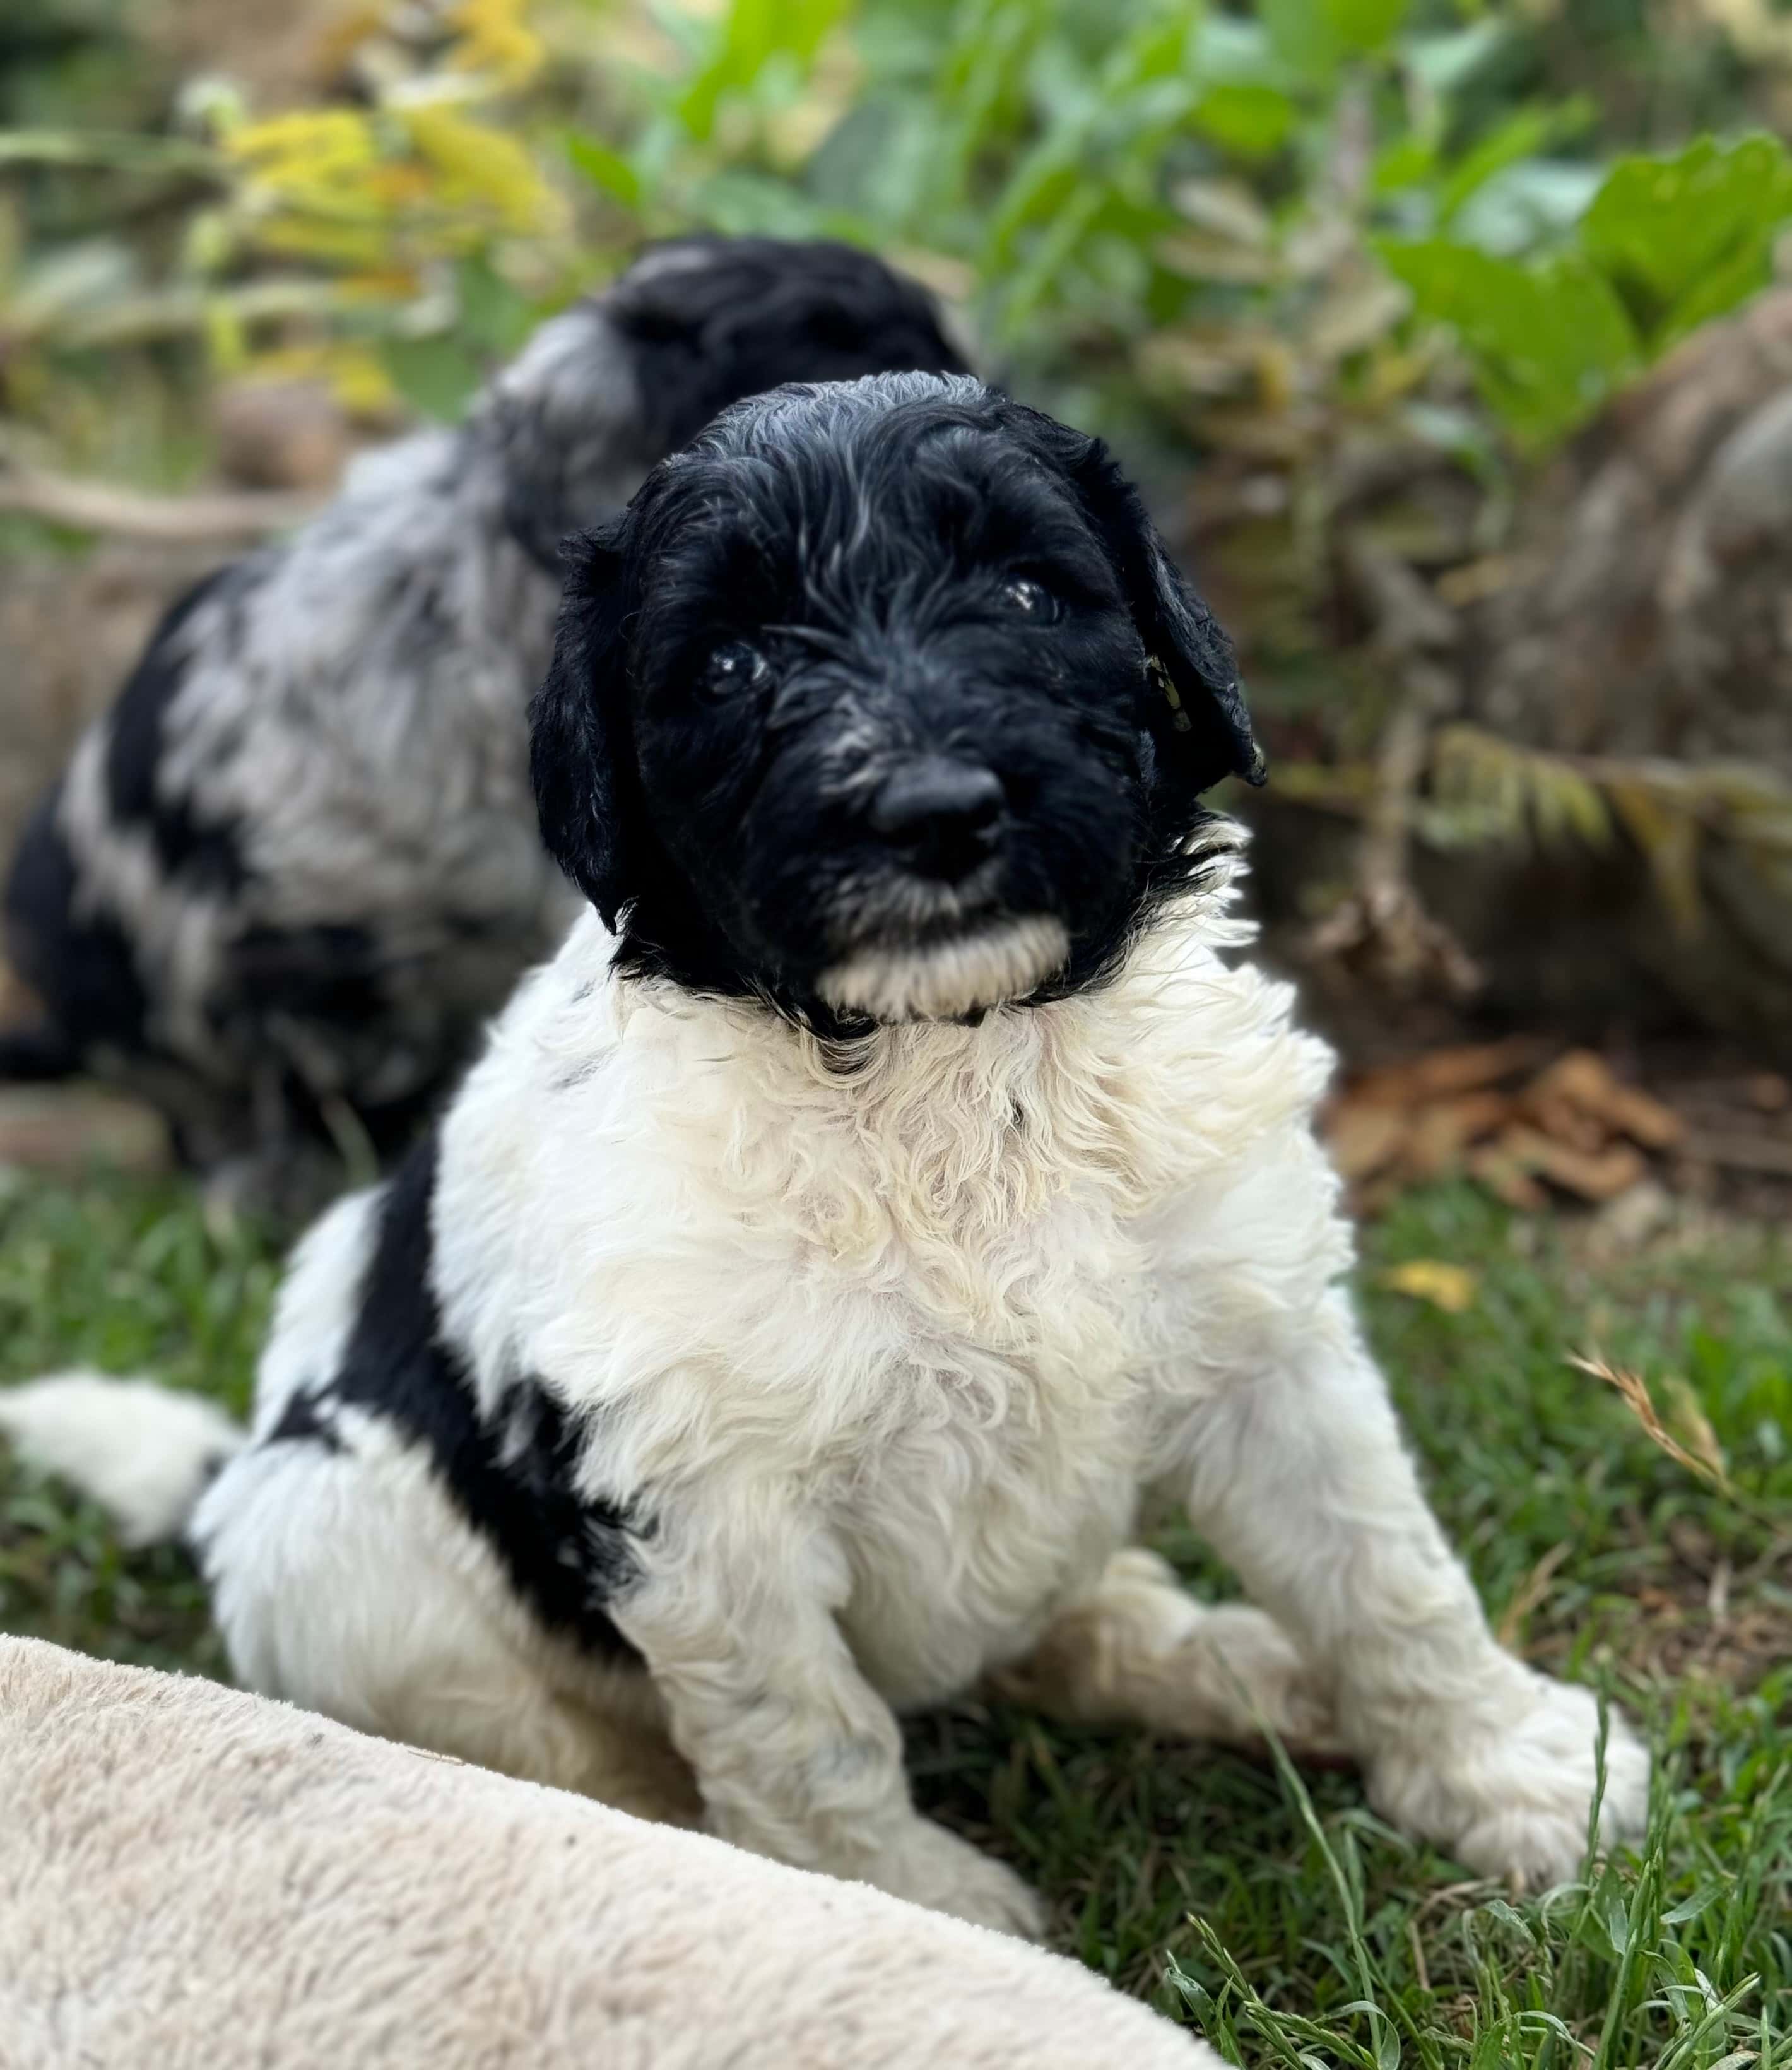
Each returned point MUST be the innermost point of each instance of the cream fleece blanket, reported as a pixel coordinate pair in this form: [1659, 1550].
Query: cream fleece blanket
[195, 1879]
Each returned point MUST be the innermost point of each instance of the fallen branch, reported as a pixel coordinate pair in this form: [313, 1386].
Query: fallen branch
[1381, 926]
[98, 506]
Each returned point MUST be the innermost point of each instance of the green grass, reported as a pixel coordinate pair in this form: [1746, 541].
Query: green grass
[1268, 1910]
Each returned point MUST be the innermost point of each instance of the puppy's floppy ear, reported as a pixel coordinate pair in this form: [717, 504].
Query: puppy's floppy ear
[1199, 716]
[580, 734]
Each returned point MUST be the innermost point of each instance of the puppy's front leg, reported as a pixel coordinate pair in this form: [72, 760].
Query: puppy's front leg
[796, 1754]
[1298, 1477]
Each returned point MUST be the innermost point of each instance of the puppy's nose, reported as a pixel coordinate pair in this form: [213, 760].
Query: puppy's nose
[943, 815]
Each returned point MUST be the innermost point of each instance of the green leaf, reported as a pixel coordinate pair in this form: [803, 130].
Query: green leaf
[1616, 1920]
[752, 34]
[1445, 63]
[1526, 134]
[607, 170]
[1407, 162]
[1250, 122]
[1547, 342]
[1314, 37]
[1686, 238]
[1362, 25]
[434, 375]
[496, 318]
[1694, 1907]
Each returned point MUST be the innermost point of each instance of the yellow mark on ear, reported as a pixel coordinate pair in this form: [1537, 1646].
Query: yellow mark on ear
[1160, 675]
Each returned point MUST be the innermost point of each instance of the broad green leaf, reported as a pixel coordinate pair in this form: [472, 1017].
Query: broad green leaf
[1364, 25]
[1745, 272]
[1245, 121]
[1547, 342]
[1314, 37]
[1687, 237]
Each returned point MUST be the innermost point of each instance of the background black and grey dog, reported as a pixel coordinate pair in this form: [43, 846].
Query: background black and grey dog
[287, 876]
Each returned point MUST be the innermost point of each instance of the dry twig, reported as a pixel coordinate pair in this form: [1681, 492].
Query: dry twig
[98, 506]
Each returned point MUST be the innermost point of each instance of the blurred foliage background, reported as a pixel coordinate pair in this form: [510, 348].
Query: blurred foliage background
[1243, 224]
[1372, 293]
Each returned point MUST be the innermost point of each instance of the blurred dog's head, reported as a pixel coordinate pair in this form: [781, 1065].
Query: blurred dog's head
[620, 379]
[883, 700]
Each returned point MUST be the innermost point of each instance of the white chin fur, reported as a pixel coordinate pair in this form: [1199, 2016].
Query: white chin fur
[950, 978]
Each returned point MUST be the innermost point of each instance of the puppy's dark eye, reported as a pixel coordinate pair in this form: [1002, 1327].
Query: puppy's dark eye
[732, 668]
[1031, 599]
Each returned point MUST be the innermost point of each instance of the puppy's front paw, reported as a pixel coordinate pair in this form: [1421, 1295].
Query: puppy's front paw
[930, 1865]
[1507, 1788]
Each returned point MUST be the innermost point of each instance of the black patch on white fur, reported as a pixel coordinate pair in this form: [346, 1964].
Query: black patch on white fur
[331, 972]
[78, 963]
[512, 1479]
[304, 1421]
[206, 854]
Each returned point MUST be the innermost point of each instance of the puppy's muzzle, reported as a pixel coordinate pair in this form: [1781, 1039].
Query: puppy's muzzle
[935, 947]
[941, 818]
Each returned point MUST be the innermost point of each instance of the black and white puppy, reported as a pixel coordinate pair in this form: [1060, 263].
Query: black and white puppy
[289, 874]
[888, 1182]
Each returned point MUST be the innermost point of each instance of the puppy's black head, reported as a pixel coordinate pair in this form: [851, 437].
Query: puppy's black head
[713, 319]
[695, 323]
[884, 701]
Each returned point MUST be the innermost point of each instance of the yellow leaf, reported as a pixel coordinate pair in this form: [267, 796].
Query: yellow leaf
[494, 40]
[1451, 1287]
[357, 377]
[1668, 833]
[338, 244]
[481, 169]
[310, 147]
[1516, 788]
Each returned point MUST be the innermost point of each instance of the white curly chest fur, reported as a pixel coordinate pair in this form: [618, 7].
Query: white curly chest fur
[890, 1348]
[950, 1294]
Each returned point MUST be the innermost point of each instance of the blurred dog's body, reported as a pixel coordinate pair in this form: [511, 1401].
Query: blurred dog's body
[286, 878]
